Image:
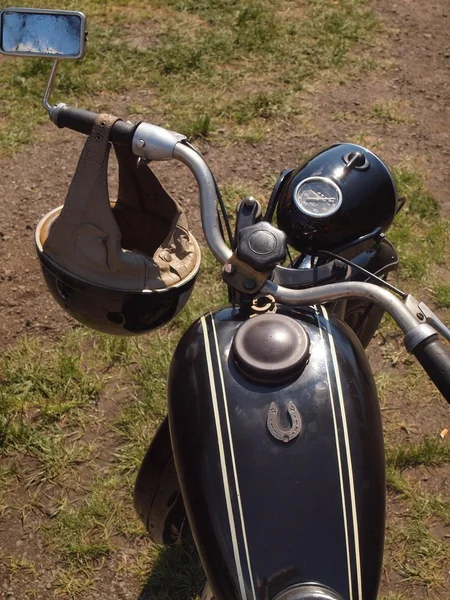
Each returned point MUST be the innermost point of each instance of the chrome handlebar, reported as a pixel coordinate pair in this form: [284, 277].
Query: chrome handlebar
[155, 143]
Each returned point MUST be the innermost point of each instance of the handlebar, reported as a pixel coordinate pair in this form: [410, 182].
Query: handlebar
[156, 143]
[435, 359]
[80, 120]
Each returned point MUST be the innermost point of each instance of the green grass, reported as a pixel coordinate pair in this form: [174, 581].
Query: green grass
[50, 395]
[51, 425]
[197, 66]
[200, 127]
[181, 559]
[389, 112]
[428, 452]
[419, 558]
[421, 236]
[39, 389]
[413, 550]
[442, 295]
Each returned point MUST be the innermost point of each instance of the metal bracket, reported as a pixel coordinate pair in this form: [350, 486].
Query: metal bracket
[142, 162]
[434, 321]
[243, 277]
[417, 335]
[426, 315]
[48, 89]
[263, 304]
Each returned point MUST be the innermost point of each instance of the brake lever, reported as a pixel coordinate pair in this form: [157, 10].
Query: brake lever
[426, 315]
[434, 321]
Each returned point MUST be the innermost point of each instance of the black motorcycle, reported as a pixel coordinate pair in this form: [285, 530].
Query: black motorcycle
[272, 452]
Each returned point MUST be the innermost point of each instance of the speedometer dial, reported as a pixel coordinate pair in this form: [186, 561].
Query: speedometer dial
[318, 196]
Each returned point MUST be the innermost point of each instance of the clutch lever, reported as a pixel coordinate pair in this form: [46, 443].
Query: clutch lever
[426, 315]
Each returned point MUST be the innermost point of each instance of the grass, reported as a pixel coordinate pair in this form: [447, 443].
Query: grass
[412, 549]
[55, 422]
[427, 452]
[181, 559]
[418, 555]
[419, 234]
[55, 402]
[200, 127]
[199, 66]
[44, 392]
[389, 112]
[442, 295]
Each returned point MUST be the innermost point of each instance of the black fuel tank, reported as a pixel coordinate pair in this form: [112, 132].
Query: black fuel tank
[283, 483]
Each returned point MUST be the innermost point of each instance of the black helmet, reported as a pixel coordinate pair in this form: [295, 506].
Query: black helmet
[342, 193]
[122, 267]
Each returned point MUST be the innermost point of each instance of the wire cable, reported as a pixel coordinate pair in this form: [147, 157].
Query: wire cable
[363, 270]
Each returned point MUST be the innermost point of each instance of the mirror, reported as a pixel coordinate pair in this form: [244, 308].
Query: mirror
[46, 33]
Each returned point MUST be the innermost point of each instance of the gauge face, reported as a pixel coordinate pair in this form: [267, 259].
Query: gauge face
[318, 196]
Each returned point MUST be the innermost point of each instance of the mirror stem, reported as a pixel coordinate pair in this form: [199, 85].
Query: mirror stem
[48, 89]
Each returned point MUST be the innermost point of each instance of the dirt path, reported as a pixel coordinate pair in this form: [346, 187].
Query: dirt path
[414, 83]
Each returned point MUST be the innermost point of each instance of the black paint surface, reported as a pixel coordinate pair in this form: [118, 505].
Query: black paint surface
[290, 493]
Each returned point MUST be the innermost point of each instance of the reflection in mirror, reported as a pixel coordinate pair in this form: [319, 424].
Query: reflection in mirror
[33, 32]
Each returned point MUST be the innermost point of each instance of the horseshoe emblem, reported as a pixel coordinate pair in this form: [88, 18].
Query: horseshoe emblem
[275, 428]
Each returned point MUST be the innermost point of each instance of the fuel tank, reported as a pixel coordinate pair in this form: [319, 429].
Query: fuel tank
[278, 446]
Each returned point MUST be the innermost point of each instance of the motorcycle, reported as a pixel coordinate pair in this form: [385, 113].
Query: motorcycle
[272, 452]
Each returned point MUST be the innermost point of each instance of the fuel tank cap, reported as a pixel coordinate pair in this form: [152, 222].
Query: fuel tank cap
[308, 591]
[270, 348]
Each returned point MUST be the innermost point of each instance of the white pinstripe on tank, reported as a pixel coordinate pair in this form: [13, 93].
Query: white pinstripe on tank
[233, 460]
[339, 460]
[223, 465]
[348, 454]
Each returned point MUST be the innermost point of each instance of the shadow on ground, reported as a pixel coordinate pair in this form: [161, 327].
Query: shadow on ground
[176, 575]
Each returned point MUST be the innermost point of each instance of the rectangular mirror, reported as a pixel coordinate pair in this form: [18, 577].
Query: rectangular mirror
[46, 33]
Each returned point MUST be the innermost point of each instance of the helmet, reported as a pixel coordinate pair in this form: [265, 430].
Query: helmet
[342, 193]
[122, 267]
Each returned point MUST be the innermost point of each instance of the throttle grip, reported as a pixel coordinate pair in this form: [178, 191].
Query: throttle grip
[82, 121]
[434, 357]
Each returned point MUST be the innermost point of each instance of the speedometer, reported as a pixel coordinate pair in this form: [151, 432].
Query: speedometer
[318, 196]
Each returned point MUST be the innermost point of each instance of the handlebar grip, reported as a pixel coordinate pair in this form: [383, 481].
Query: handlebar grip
[83, 120]
[434, 357]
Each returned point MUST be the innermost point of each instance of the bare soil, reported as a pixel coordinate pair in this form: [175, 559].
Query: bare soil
[415, 48]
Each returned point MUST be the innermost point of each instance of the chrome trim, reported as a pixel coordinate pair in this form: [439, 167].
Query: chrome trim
[48, 89]
[54, 111]
[349, 289]
[46, 11]
[208, 199]
[418, 335]
[325, 180]
[155, 143]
